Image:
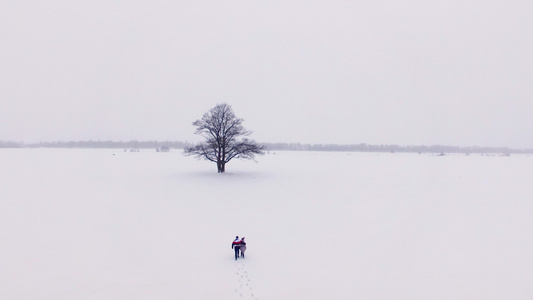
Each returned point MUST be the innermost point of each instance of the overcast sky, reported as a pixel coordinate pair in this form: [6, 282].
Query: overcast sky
[378, 72]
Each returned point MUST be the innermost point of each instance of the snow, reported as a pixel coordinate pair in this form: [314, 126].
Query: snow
[109, 224]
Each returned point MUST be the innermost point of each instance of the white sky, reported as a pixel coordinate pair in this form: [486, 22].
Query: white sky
[378, 72]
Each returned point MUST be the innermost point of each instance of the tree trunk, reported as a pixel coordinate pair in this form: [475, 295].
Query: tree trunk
[221, 166]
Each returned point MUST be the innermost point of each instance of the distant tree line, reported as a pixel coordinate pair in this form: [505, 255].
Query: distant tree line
[10, 145]
[273, 147]
[392, 148]
[100, 144]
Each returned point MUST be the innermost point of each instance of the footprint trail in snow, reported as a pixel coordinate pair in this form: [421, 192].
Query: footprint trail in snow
[244, 288]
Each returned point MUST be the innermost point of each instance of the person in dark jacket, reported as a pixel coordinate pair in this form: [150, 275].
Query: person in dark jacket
[236, 245]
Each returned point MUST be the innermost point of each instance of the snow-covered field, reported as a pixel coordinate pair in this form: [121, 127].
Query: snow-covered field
[109, 224]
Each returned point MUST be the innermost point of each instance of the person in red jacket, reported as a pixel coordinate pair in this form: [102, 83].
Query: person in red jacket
[236, 245]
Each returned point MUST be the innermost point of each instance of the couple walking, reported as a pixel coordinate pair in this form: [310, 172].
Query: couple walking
[238, 246]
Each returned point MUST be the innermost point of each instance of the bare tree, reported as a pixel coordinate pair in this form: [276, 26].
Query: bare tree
[222, 130]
